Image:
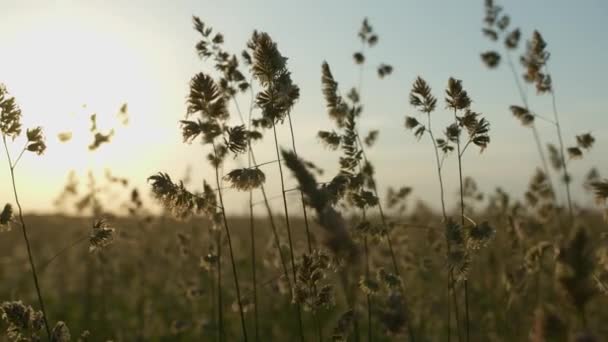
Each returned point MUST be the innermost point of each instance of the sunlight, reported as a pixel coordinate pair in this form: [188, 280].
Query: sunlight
[67, 67]
[302, 171]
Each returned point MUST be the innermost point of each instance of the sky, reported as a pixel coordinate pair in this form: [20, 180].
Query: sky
[64, 60]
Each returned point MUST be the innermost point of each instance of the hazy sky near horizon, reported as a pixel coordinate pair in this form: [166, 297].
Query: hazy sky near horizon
[64, 60]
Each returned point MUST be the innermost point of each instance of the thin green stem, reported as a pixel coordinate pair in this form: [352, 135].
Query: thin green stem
[562, 151]
[466, 303]
[382, 217]
[389, 242]
[14, 165]
[443, 212]
[266, 202]
[27, 241]
[220, 301]
[369, 299]
[449, 313]
[366, 249]
[438, 162]
[288, 226]
[43, 266]
[306, 224]
[520, 89]
[544, 118]
[351, 299]
[232, 258]
[461, 152]
[360, 85]
[253, 254]
[456, 310]
[253, 268]
[253, 165]
[524, 100]
[466, 287]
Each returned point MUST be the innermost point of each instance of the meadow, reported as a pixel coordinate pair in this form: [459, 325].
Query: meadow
[335, 260]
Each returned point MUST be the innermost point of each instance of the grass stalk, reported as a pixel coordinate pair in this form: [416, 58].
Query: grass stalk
[449, 314]
[288, 227]
[388, 240]
[381, 211]
[562, 156]
[369, 299]
[266, 201]
[466, 307]
[220, 299]
[27, 240]
[251, 226]
[456, 308]
[444, 214]
[366, 250]
[351, 300]
[536, 134]
[273, 225]
[48, 262]
[231, 250]
[306, 225]
[253, 267]
[466, 282]
[367, 263]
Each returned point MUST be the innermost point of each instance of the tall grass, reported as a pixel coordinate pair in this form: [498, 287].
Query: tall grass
[10, 125]
[359, 269]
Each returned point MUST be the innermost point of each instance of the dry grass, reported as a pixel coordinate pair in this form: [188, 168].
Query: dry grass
[351, 265]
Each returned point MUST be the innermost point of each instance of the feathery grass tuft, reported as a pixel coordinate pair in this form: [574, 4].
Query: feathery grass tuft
[421, 97]
[23, 322]
[330, 139]
[338, 239]
[101, 236]
[245, 179]
[337, 108]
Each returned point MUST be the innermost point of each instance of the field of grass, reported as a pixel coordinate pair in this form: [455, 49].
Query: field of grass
[150, 283]
[342, 260]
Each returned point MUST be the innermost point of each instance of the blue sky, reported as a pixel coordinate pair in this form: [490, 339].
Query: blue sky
[59, 55]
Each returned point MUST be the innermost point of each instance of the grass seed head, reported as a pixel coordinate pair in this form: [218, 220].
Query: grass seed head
[421, 97]
[491, 59]
[22, 321]
[6, 218]
[456, 97]
[101, 236]
[512, 39]
[246, 179]
[35, 140]
[10, 114]
[237, 140]
[61, 333]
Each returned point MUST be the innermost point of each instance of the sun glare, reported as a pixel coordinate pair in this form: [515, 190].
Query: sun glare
[63, 70]
[67, 67]
[64, 63]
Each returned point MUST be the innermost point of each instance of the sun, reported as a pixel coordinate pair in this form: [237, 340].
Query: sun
[63, 67]
[64, 64]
